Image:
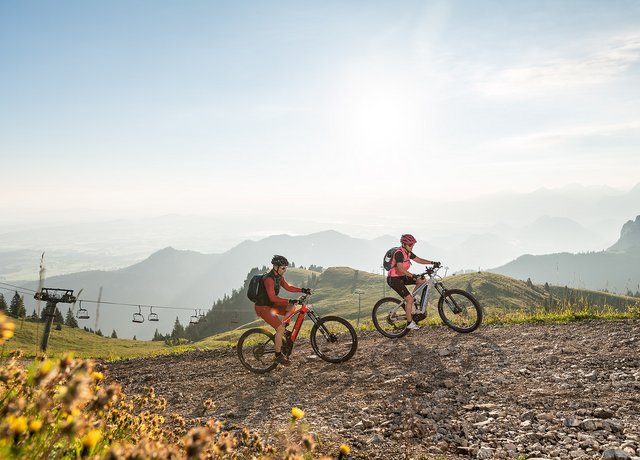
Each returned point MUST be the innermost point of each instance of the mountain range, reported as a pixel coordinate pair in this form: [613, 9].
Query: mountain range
[479, 232]
[190, 282]
[616, 269]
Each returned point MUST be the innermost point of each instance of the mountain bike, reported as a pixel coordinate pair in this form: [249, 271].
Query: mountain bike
[332, 338]
[458, 309]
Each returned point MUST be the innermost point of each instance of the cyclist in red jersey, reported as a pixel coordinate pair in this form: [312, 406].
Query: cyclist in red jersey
[399, 276]
[269, 306]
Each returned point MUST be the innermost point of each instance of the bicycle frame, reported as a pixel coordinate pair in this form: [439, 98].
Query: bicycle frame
[302, 312]
[434, 280]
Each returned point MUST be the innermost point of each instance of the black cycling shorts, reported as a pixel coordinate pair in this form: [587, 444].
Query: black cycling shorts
[399, 284]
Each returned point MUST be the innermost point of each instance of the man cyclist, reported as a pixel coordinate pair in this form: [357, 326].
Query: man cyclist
[399, 276]
[269, 305]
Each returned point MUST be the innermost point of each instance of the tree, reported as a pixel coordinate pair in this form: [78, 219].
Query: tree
[99, 333]
[157, 336]
[70, 320]
[529, 283]
[3, 304]
[178, 329]
[57, 316]
[114, 335]
[16, 309]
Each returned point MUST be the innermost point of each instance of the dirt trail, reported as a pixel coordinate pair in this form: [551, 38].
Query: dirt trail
[546, 391]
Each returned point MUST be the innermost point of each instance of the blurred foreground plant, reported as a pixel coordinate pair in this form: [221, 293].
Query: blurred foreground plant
[63, 409]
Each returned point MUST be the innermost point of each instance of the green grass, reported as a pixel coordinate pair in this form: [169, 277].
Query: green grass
[84, 344]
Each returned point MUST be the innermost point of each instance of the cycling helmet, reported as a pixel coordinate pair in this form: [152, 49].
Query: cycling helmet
[280, 261]
[407, 239]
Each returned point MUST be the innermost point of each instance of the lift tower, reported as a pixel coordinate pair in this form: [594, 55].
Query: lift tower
[53, 297]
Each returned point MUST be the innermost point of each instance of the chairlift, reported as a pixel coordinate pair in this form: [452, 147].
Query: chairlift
[201, 316]
[82, 312]
[194, 318]
[235, 318]
[137, 317]
[153, 316]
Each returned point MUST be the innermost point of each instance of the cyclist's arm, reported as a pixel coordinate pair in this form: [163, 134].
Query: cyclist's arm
[288, 287]
[270, 289]
[422, 261]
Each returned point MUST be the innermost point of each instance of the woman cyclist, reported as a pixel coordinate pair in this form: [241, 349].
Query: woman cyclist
[269, 305]
[399, 276]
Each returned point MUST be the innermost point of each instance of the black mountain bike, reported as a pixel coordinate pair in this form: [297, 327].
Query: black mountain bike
[458, 309]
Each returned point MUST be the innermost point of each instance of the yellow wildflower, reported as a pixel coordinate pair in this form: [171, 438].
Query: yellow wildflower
[17, 424]
[92, 438]
[97, 375]
[344, 449]
[35, 426]
[46, 366]
[6, 328]
[297, 413]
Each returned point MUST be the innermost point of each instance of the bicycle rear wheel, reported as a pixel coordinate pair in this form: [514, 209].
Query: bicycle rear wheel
[389, 318]
[460, 310]
[256, 350]
[334, 339]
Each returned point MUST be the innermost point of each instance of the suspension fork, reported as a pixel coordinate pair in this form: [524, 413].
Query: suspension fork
[321, 327]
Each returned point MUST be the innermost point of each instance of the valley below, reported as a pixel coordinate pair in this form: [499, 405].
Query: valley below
[515, 391]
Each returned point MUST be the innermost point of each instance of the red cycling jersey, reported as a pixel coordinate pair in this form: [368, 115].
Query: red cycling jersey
[270, 289]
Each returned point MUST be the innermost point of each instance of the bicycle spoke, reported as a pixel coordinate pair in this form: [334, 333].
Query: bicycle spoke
[334, 339]
[256, 350]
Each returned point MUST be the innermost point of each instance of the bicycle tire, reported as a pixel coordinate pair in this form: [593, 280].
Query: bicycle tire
[334, 339]
[462, 313]
[392, 326]
[256, 350]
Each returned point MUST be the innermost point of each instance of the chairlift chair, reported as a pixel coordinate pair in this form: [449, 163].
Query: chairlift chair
[235, 318]
[82, 312]
[153, 316]
[194, 318]
[201, 316]
[137, 317]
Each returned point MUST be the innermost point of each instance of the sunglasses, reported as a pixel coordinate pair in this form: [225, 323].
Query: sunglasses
[282, 268]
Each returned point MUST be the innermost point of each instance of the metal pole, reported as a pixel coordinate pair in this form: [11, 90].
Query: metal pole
[358, 309]
[49, 313]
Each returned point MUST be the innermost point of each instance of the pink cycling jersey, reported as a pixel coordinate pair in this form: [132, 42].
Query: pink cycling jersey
[405, 264]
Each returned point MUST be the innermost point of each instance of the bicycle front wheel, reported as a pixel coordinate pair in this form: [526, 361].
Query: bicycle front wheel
[256, 350]
[334, 339]
[460, 310]
[389, 318]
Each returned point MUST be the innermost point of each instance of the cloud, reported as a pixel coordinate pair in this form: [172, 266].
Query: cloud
[568, 134]
[555, 74]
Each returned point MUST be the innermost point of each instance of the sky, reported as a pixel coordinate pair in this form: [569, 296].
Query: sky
[312, 108]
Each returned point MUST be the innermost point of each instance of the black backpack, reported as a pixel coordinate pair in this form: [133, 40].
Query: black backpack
[254, 287]
[387, 262]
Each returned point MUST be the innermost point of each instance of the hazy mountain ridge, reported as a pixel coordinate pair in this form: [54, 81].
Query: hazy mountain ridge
[629, 237]
[459, 232]
[616, 269]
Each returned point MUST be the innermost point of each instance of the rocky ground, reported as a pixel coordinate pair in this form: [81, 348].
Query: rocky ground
[565, 391]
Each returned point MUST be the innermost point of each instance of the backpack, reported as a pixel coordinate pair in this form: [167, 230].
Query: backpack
[387, 262]
[254, 287]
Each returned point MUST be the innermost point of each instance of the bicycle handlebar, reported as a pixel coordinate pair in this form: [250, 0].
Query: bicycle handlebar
[431, 271]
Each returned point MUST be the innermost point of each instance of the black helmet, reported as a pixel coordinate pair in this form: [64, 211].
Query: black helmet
[280, 261]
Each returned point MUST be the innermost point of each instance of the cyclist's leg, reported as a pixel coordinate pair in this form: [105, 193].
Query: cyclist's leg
[408, 297]
[270, 315]
[419, 282]
[399, 284]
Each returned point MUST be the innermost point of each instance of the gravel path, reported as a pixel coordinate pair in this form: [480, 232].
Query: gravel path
[565, 391]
